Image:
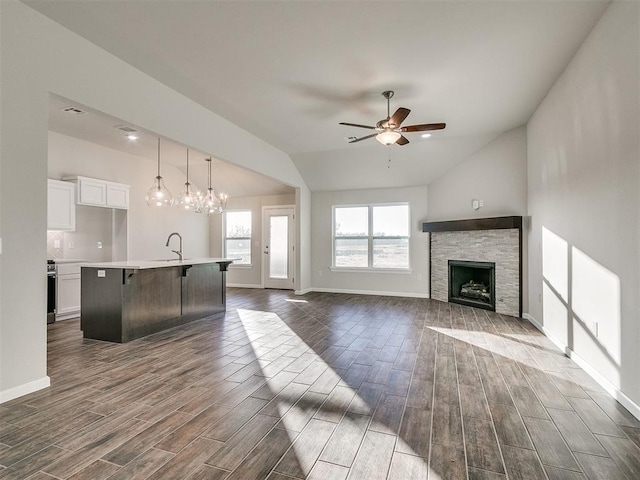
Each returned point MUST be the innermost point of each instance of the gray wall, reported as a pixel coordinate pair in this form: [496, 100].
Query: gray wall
[584, 202]
[245, 275]
[40, 57]
[497, 174]
[415, 283]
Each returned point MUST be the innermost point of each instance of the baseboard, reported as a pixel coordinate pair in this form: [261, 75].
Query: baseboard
[610, 388]
[303, 292]
[24, 389]
[370, 292]
[244, 285]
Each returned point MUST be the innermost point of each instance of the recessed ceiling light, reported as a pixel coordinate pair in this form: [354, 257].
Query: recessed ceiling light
[132, 136]
[425, 135]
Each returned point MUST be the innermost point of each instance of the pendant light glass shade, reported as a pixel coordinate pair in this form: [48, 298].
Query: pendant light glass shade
[159, 195]
[188, 198]
[212, 202]
[388, 137]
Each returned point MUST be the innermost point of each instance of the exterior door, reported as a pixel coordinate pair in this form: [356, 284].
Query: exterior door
[278, 247]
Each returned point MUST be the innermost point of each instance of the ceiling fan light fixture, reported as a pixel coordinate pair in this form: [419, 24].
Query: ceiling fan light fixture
[388, 137]
[425, 135]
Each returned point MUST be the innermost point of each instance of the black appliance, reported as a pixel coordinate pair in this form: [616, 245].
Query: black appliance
[51, 291]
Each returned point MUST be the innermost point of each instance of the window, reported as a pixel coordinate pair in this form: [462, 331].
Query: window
[371, 236]
[237, 238]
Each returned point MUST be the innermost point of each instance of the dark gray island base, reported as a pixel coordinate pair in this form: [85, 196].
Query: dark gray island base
[122, 301]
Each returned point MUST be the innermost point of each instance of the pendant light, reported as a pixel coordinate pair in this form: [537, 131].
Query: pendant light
[158, 195]
[210, 203]
[187, 200]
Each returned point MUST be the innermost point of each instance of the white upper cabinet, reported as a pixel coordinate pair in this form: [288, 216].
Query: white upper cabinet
[101, 193]
[61, 206]
[117, 195]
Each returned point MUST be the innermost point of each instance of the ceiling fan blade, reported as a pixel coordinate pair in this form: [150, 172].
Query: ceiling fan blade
[357, 125]
[363, 138]
[398, 117]
[402, 140]
[424, 127]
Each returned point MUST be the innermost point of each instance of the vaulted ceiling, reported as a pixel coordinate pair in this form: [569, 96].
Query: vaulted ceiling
[289, 71]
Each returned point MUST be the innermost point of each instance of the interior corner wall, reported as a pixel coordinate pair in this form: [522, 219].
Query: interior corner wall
[246, 276]
[584, 204]
[495, 174]
[40, 57]
[414, 284]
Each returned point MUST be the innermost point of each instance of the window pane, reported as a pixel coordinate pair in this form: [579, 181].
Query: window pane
[391, 253]
[238, 224]
[351, 252]
[279, 243]
[239, 250]
[352, 222]
[391, 221]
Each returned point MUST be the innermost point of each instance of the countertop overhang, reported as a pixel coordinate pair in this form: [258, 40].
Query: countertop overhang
[147, 264]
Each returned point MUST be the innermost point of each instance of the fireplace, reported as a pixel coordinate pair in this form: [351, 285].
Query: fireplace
[472, 284]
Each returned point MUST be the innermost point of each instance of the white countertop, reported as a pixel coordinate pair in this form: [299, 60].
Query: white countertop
[59, 261]
[146, 264]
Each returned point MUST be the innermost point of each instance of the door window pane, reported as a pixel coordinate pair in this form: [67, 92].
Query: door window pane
[279, 247]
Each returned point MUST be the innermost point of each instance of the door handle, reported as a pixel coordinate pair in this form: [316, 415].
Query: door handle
[267, 250]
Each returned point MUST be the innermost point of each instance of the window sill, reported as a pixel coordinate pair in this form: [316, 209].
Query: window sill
[401, 271]
[240, 266]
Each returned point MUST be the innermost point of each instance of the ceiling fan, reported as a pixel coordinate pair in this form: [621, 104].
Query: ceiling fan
[389, 130]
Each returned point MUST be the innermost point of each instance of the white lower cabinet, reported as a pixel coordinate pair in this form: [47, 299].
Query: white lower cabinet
[68, 291]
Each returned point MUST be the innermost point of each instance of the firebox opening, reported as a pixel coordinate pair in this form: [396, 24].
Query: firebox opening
[472, 284]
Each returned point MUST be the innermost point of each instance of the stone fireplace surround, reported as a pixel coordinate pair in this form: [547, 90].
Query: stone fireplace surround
[497, 239]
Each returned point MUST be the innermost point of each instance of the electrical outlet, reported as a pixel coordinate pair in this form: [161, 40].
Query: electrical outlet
[319, 273]
[56, 244]
[71, 244]
[99, 244]
[475, 204]
[482, 203]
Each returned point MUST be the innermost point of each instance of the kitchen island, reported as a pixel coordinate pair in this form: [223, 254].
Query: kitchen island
[122, 301]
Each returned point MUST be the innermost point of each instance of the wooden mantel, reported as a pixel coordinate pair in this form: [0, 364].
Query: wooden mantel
[492, 223]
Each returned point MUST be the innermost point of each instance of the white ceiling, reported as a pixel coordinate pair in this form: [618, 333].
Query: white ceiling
[289, 71]
[98, 127]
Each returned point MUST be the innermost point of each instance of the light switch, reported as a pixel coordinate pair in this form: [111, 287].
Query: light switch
[102, 273]
[475, 204]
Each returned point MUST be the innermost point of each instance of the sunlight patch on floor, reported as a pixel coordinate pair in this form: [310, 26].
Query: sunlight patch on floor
[265, 331]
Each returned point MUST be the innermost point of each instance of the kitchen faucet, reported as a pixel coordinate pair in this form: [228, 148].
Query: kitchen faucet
[179, 252]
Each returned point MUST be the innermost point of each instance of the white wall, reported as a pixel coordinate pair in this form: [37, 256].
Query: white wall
[148, 227]
[497, 174]
[40, 57]
[245, 275]
[415, 283]
[584, 202]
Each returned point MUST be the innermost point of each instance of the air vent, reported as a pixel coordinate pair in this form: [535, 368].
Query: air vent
[125, 128]
[73, 110]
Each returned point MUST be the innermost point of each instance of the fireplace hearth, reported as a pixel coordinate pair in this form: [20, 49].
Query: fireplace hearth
[472, 284]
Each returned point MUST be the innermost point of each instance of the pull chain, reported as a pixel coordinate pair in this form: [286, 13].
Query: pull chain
[389, 153]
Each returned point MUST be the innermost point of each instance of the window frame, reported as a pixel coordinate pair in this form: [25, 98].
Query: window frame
[225, 238]
[370, 239]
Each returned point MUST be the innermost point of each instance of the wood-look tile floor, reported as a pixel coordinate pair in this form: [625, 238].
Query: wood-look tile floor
[323, 386]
